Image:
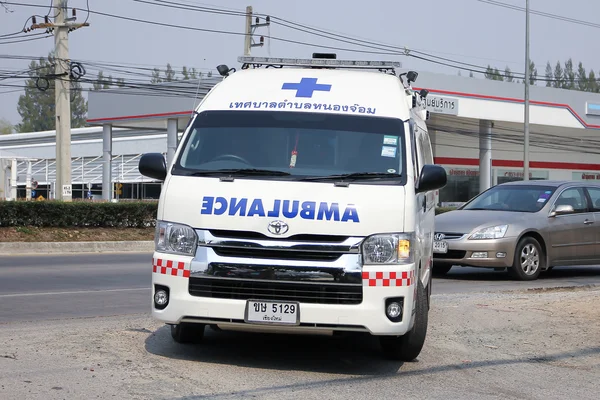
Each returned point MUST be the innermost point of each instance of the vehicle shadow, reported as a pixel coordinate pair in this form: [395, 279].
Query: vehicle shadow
[330, 384]
[484, 274]
[353, 353]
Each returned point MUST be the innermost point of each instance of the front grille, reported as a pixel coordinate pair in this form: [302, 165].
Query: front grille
[452, 235]
[451, 254]
[238, 289]
[295, 238]
[276, 254]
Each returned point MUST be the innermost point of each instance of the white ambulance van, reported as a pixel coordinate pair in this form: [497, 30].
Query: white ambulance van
[300, 199]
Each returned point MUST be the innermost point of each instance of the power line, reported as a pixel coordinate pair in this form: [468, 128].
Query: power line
[541, 13]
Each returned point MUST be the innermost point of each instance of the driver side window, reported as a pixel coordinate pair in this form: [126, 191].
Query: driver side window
[574, 197]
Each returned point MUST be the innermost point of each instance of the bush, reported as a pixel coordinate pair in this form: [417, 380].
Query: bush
[78, 213]
[441, 210]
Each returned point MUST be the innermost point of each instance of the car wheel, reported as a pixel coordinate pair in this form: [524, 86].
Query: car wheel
[441, 269]
[408, 346]
[186, 332]
[529, 260]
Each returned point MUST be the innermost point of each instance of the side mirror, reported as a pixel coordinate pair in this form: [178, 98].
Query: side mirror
[153, 165]
[562, 209]
[433, 177]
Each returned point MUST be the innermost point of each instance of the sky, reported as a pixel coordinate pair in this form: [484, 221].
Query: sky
[466, 31]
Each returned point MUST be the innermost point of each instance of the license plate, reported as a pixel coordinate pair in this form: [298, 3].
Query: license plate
[440, 247]
[272, 312]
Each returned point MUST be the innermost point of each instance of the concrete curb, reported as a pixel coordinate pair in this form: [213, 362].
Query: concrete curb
[18, 248]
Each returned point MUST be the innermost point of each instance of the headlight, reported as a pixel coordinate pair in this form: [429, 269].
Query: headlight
[493, 232]
[394, 248]
[175, 238]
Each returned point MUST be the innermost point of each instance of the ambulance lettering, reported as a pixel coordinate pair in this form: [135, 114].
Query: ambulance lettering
[311, 210]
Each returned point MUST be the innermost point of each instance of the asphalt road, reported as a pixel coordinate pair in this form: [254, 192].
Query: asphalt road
[91, 285]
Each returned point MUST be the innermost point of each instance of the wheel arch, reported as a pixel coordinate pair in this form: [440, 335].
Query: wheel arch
[540, 239]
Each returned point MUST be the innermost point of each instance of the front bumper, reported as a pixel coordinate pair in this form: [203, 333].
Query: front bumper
[367, 316]
[500, 252]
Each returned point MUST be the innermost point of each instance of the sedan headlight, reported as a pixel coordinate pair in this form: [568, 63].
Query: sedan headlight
[492, 232]
[393, 248]
[175, 238]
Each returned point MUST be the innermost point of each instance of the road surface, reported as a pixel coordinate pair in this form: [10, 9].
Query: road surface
[90, 285]
[78, 326]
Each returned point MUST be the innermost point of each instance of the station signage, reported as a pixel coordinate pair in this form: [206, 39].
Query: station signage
[462, 172]
[586, 176]
[442, 104]
[592, 108]
[512, 173]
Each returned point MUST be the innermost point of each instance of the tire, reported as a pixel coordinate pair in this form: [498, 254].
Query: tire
[440, 269]
[529, 260]
[408, 346]
[186, 332]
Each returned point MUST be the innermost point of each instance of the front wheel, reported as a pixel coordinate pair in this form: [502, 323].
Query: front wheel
[408, 346]
[529, 260]
[186, 332]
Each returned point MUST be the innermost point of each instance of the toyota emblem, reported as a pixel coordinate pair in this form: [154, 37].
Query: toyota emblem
[439, 236]
[278, 228]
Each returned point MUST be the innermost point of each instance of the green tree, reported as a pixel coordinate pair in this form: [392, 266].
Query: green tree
[508, 75]
[549, 75]
[532, 73]
[36, 107]
[156, 76]
[490, 73]
[592, 83]
[558, 76]
[582, 79]
[5, 127]
[569, 75]
[169, 74]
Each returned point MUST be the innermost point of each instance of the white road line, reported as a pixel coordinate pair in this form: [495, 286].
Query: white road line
[73, 292]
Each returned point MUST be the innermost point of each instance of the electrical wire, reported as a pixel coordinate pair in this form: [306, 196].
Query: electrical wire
[541, 13]
[384, 50]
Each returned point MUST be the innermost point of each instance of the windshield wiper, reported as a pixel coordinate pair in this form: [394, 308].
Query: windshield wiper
[353, 176]
[240, 172]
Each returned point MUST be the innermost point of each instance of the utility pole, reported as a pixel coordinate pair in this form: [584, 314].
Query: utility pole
[62, 93]
[249, 32]
[248, 37]
[62, 97]
[526, 123]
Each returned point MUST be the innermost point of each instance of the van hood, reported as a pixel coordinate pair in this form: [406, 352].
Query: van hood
[260, 206]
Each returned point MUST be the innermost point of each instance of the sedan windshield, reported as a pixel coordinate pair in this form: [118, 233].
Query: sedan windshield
[294, 146]
[518, 198]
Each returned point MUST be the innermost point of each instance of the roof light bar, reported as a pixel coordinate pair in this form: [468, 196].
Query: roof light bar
[319, 62]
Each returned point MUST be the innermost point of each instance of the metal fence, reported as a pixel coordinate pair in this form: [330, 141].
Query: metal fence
[84, 170]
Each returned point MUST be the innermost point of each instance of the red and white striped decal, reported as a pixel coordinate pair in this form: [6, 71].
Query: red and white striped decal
[387, 278]
[170, 267]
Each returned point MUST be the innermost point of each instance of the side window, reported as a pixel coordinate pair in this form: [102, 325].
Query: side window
[574, 197]
[595, 196]
[414, 151]
[426, 149]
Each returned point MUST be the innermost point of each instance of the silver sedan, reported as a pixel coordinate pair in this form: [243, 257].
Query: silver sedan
[526, 227]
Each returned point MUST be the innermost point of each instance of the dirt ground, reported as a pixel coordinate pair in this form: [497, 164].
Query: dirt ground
[517, 345]
[34, 234]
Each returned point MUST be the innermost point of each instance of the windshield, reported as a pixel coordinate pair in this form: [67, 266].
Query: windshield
[516, 198]
[293, 146]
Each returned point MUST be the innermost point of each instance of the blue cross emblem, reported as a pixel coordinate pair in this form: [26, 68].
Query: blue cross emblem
[306, 87]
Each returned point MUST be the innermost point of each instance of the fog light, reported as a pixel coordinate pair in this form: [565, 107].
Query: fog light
[479, 254]
[500, 255]
[161, 297]
[393, 309]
